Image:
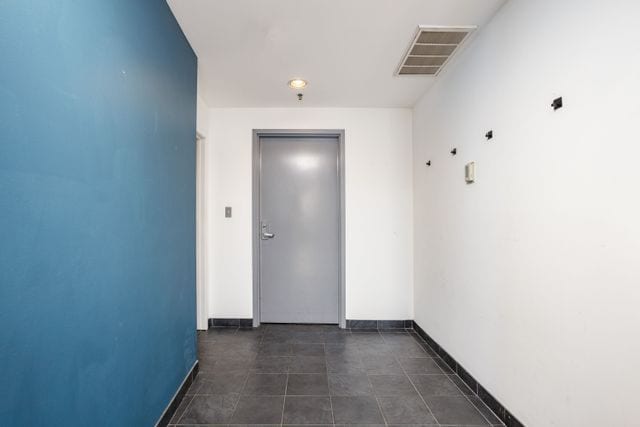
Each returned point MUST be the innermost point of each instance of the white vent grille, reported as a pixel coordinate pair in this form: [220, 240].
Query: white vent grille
[431, 49]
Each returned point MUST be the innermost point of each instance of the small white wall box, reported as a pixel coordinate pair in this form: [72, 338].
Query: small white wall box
[470, 172]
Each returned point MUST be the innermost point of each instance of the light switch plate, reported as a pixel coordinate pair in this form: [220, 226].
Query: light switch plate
[470, 172]
[227, 212]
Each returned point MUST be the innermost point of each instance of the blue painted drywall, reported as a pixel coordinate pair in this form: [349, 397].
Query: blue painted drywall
[97, 208]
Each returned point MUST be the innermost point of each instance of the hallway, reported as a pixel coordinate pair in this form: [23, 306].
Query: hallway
[426, 209]
[322, 375]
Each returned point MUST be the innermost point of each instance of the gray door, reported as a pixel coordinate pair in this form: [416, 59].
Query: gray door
[299, 221]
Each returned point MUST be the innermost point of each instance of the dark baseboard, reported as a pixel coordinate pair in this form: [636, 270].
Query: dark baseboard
[379, 324]
[351, 324]
[493, 404]
[230, 323]
[177, 398]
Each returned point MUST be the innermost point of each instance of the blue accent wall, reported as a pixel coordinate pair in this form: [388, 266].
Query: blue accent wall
[97, 211]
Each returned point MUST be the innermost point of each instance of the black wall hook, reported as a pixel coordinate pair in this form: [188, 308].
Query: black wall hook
[489, 135]
[429, 163]
[454, 151]
[557, 104]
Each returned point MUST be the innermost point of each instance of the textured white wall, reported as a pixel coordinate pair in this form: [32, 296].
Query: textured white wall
[378, 191]
[530, 277]
[202, 117]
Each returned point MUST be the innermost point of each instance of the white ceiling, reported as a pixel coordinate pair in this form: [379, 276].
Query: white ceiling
[348, 50]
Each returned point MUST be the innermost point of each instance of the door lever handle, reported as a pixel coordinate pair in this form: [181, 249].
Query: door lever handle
[265, 232]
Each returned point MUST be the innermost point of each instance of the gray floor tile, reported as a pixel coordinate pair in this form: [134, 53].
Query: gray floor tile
[181, 408]
[413, 365]
[484, 410]
[228, 356]
[272, 364]
[361, 425]
[367, 337]
[234, 350]
[430, 352]
[197, 383]
[270, 339]
[345, 366]
[307, 410]
[392, 385]
[227, 366]
[209, 410]
[454, 410]
[443, 365]
[336, 337]
[308, 338]
[307, 385]
[464, 388]
[258, 410]
[275, 349]
[350, 385]
[215, 333]
[222, 384]
[342, 353]
[342, 350]
[419, 425]
[207, 347]
[311, 328]
[249, 334]
[206, 364]
[231, 343]
[435, 385]
[408, 350]
[375, 349]
[398, 338]
[265, 385]
[254, 425]
[382, 365]
[308, 365]
[308, 349]
[406, 410]
[356, 410]
[306, 425]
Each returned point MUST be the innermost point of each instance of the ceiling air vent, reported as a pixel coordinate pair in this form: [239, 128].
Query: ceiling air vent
[431, 49]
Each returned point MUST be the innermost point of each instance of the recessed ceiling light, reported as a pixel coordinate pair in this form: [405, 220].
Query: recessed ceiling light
[297, 84]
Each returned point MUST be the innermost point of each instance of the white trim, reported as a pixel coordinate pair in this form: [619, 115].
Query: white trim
[202, 316]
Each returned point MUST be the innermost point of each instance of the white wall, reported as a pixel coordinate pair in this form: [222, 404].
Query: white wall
[378, 191]
[202, 128]
[530, 277]
[202, 117]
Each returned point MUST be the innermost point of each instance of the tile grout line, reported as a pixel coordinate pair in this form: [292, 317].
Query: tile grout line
[246, 380]
[185, 410]
[326, 368]
[416, 388]
[286, 388]
[473, 404]
[455, 374]
[384, 417]
[387, 339]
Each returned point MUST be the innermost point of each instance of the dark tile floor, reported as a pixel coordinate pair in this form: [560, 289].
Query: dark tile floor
[322, 375]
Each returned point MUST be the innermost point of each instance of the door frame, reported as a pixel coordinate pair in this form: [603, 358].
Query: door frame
[255, 234]
[202, 321]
